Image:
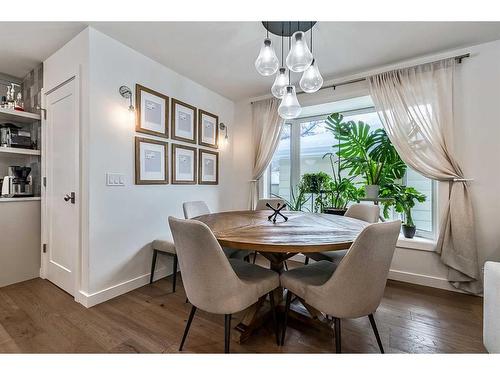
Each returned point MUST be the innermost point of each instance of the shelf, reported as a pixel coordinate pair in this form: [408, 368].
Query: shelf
[26, 199]
[11, 115]
[19, 151]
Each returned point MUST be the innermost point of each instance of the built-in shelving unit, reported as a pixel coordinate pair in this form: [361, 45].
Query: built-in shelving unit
[19, 151]
[22, 199]
[11, 115]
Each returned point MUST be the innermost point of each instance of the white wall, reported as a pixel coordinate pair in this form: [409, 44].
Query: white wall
[124, 220]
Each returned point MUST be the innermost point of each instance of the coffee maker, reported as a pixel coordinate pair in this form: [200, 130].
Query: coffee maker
[18, 183]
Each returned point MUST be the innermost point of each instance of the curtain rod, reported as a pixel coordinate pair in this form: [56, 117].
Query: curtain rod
[457, 58]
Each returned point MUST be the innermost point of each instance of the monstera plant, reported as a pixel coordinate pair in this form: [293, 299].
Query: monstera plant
[366, 152]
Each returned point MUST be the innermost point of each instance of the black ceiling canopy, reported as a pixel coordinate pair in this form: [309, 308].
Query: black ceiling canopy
[287, 28]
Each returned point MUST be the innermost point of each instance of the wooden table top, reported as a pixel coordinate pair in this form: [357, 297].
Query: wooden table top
[303, 232]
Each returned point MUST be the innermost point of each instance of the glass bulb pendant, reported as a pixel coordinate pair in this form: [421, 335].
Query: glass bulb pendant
[280, 83]
[289, 107]
[267, 62]
[299, 58]
[311, 80]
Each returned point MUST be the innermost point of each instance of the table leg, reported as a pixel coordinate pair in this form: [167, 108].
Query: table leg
[259, 313]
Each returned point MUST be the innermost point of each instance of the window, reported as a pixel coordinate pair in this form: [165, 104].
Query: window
[304, 142]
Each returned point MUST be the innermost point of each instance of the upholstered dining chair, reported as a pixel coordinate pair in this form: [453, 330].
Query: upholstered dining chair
[262, 205]
[365, 212]
[198, 208]
[351, 289]
[214, 283]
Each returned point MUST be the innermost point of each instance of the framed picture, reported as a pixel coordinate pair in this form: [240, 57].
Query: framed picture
[152, 112]
[208, 167]
[183, 121]
[208, 129]
[183, 164]
[151, 161]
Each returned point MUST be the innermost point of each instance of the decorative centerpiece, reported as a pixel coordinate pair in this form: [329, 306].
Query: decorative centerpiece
[277, 211]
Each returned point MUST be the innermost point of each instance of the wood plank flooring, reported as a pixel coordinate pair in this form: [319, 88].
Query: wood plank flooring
[37, 317]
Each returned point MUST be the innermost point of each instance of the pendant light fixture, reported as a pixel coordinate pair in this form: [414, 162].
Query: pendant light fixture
[267, 62]
[311, 80]
[299, 59]
[281, 81]
[289, 107]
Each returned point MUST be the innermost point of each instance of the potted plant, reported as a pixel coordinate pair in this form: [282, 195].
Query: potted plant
[339, 191]
[366, 153]
[297, 198]
[315, 184]
[403, 200]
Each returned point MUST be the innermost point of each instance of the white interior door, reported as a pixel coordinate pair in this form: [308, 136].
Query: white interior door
[62, 171]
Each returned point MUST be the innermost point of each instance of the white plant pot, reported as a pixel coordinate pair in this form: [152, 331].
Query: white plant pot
[371, 191]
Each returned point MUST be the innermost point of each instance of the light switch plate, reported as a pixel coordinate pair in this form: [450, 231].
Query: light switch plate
[115, 179]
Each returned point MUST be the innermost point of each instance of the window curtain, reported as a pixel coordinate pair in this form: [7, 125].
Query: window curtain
[267, 125]
[415, 106]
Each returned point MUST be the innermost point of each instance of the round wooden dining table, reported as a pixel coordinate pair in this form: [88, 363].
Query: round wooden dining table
[302, 232]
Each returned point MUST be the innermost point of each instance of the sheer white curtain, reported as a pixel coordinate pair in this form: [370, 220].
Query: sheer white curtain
[267, 126]
[415, 106]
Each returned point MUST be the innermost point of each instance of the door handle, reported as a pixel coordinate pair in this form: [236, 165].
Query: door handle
[70, 197]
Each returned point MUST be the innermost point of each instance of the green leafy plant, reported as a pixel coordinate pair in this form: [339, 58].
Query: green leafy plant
[313, 183]
[366, 152]
[340, 190]
[404, 199]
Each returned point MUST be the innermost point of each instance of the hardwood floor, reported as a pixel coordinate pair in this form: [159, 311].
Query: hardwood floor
[37, 317]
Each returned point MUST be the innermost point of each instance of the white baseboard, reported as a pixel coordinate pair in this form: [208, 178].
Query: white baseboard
[92, 299]
[425, 280]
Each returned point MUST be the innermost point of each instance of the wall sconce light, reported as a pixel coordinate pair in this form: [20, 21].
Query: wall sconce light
[127, 94]
[224, 139]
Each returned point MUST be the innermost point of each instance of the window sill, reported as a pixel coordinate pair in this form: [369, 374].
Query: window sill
[416, 243]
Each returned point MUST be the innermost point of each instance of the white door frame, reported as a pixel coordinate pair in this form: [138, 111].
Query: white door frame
[75, 76]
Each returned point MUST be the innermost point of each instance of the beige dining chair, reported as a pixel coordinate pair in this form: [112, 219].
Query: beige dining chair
[351, 289]
[197, 208]
[262, 205]
[365, 212]
[214, 283]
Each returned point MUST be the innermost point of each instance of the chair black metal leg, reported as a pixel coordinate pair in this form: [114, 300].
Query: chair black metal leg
[227, 332]
[247, 259]
[175, 273]
[375, 331]
[254, 257]
[285, 321]
[286, 266]
[153, 264]
[275, 320]
[306, 262]
[188, 324]
[338, 339]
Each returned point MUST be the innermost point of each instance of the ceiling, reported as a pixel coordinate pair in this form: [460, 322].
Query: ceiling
[220, 55]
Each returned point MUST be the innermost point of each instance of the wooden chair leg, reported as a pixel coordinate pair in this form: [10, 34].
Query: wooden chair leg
[153, 264]
[275, 320]
[227, 332]
[285, 321]
[375, 331]
[175, 273]
[338, 339]
[254, 257]
[188, 324]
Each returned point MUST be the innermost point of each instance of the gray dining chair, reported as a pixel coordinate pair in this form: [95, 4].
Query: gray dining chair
[262, 205]
[197, 208]
[365, 212]
[351, 289]
[214, 283]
